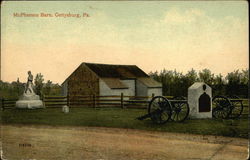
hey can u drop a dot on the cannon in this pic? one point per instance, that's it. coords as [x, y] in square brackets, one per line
[229, 107]
[161, 110]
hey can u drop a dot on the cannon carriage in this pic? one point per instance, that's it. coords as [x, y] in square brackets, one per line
[161, 110]
[229, 107]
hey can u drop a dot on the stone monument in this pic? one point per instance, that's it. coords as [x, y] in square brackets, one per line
[200, 100]
[29, 99]
[65, 109]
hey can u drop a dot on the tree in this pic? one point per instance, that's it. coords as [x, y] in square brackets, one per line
[233, 81]
[244, 78]
[206, 76]
[47, 87]
[39, 84]
[218, 87]
[176, 84]
[191, 76]
[237, 82]
[55, 89]
[233, 77]
[218, 80]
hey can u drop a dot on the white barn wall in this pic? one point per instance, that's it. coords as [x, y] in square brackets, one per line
[65, 88]
[155, 91]
[131, 86]
[141, 89]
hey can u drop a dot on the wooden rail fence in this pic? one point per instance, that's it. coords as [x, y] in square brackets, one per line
[8, 103]
[95, 101]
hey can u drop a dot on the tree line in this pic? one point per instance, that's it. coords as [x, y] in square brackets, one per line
[176, 83]
[173, 83]
[14, 89]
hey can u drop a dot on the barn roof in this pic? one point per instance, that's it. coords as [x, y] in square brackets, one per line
[149, 82]
[112, 74]
[116, 71]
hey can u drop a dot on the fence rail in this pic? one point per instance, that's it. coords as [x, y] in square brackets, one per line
[121, 101]
[8, 103]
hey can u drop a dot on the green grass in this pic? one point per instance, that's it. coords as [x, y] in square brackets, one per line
[123, 118]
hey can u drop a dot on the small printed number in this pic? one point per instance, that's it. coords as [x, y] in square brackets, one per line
[24, 145]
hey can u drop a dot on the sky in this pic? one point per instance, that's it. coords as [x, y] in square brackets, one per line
[153, 35]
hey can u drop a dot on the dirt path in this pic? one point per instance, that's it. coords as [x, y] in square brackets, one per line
[79, 143]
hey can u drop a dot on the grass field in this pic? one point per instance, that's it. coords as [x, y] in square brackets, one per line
[123, 118]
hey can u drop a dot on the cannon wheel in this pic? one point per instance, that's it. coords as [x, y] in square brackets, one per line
[237, 107]
[221, 107]
[180, 110]
[159, 110]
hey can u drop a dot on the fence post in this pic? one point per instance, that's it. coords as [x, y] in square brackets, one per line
[68, 100]
[3, 104]
[94, 101]
[42, 98]
[122, 105]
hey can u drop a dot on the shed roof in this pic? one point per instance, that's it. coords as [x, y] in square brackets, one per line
[114, 83]
[149, 82]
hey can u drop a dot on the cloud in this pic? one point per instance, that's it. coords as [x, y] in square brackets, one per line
[191, 37]
[176, 16]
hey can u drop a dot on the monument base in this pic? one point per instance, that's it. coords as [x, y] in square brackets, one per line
[205, 115]
[29, 104]
[29, 101]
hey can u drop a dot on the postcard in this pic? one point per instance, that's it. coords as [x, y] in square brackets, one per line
[129, 80]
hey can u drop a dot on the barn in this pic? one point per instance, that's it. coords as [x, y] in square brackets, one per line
[108, 79]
